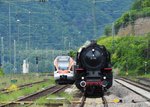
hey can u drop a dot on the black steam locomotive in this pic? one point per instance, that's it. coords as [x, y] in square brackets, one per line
[93, 70]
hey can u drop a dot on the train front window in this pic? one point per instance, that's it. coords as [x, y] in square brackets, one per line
[63, 68]
[63, 65]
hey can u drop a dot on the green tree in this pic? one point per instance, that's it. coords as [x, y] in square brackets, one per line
[137, 5]
[140, 4]
[129, 54]
[1, 72]
[72, 54]
[108, 31]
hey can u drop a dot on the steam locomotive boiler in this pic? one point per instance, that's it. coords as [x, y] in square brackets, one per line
[93, 72]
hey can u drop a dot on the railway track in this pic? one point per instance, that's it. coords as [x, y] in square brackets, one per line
[137, 84]
[32, 97]
[84, 103]
[105, 103]
[138, 88]
[144, 81]
[22, 86]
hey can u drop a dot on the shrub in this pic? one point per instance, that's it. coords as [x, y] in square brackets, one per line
[128, 52]
[1, 72]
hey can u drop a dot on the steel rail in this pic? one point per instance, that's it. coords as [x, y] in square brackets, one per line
[105, 103]
[34, 96]
[142, 86]
[82, 101]
[147, 99]
[4, 91]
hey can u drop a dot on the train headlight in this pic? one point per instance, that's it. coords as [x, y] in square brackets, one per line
[82, 78]
[104, 77]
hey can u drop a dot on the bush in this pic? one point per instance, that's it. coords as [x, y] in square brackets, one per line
[108, 30]
[1, 72]
[128, 52]
[140, 4]
[72, 54]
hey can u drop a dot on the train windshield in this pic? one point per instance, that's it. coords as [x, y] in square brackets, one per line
[63, 65]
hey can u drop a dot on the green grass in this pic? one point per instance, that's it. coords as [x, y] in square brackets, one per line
[17, 94]
[21, 79]
[145, 76]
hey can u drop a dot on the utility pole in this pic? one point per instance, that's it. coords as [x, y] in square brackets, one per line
[26, 52]
[94, 18]
[26, 46]
[29, 28]
[46, 59]
[18, 41]
[94, 15]
[14, 56]
[9, 37]
[113, 33]
[69, 45]
[29, 45]
[148, 50]
[65, 38]
[18, 29]
[2, 52]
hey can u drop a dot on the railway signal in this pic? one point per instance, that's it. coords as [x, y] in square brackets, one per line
[37, 60]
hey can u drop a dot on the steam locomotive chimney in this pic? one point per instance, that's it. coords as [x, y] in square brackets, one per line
[93, 42]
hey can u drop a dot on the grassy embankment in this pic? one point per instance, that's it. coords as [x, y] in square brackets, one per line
[131, 54]
[21, 79]
[26, 91]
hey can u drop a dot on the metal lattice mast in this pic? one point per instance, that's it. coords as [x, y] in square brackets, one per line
[2, 51]
[94, 18]
[113, 34]
[9, 35]
[14, 56]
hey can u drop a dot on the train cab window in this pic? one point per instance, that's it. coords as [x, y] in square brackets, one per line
[63, 68]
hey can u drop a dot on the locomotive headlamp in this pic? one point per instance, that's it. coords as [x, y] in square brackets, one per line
[82, 78]
[104, 77]
[93, 50]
